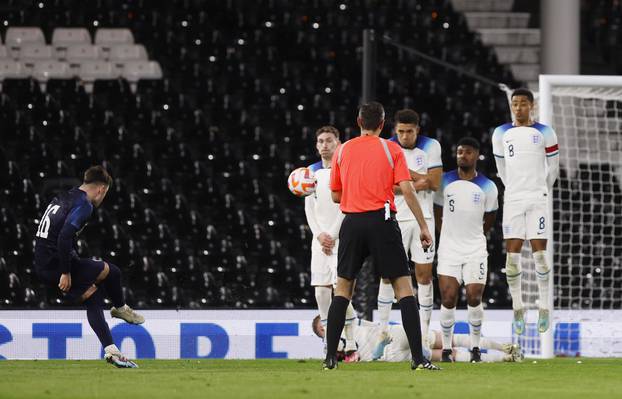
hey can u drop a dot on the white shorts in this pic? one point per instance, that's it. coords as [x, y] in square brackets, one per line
[525, 220]
[323, 267]
[410, 239]
[473, 271]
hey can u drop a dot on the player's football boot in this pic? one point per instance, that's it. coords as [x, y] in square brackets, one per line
[128, 314]
[384, 339]
[476, 355]
[425, 365]
[329, 363]
[517, 355]
[446, 356]
[117, 359]
[519, 321]
[352, 357]
[543, 320]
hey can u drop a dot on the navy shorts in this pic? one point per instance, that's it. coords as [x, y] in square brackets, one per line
[369, 234]
[84, 275]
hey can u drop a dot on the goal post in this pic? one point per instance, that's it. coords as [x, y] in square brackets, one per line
[585, 242]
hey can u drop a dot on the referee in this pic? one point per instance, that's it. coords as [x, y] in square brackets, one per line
[363, 174]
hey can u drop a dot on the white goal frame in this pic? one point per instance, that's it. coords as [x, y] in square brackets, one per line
[545, 111]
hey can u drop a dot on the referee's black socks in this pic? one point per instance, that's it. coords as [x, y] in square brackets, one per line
[412, 326]
[336, 320]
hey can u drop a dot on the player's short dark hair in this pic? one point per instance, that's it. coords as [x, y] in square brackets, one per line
[327, 129]
[371, 115]
[468, 141]
[97, 174]
[523, 92]
[408, 116]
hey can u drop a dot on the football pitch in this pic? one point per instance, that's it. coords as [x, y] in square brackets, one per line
[558, 378]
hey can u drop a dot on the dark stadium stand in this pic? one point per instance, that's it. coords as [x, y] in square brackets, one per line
[199, 215]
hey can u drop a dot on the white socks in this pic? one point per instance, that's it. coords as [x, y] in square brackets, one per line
[448, 319]
[425, 294]
[543, 272]
[112, 349]
[348, 329]
[513, 275]
[475, 314]
[323, 297]
[385, 303]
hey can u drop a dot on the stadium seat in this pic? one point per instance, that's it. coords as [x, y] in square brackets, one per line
[108, 37]
[127, 52]
[29, 53]
[12, 70]
[65, 37]
[17, 37]
[77, 53]
[46, 70]
[4, 53]
[90, 71]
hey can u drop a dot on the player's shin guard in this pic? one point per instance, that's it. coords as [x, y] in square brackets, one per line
[323, 296]
[425, 294]
[447, 325]
[349, 328]
[412, 327]
[513, 274]
[543, 272]
[385, 303]
[475, 314]
[336, 320]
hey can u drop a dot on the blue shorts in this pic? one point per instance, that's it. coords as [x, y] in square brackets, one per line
[84, 276]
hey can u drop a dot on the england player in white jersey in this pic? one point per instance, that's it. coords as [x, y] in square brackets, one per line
[527, 157]
[324, 219]
[423, 156]
[465, 209]
[395, 346]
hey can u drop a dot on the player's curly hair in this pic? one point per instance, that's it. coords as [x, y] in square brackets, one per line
[523, 92]
[408, 116]
[97, 174]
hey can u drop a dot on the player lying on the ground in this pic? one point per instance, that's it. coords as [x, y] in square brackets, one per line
[85, 281]
[394, 348]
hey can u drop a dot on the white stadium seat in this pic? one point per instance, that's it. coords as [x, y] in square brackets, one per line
[31, 52]
[45, 70]
[63, 37]
[4, 53]
[134, 71]
[93, 70]
[16, 37]
[77, 53]
[128, 52]
[12, 69]
[110, 36]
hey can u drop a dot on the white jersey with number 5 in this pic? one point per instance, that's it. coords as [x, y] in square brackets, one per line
[464, 204]
[527, 159]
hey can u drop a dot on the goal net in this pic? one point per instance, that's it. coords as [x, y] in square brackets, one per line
[585, 245]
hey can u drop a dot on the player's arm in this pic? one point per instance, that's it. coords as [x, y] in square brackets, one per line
[497, 151]
[489, 220]
[413, 204]
[431, 181]
[492, 205]
[336, 226]
[73, 223]
[335, 176]
[438, 216]
[310, 214]
[552, 156]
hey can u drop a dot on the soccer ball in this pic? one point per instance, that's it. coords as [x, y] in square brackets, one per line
[301, 182]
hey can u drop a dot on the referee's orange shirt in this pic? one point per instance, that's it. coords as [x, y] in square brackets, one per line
[364, 174]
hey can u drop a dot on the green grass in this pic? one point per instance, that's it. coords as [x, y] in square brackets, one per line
[559, 378]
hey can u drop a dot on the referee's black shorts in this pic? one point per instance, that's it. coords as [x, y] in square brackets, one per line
[368, 233]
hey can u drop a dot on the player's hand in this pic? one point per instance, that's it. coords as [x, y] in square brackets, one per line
[326, 240]
[426, 238]
[65, 282]
[421, 184]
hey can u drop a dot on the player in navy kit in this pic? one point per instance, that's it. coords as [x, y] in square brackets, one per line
[84, 281]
